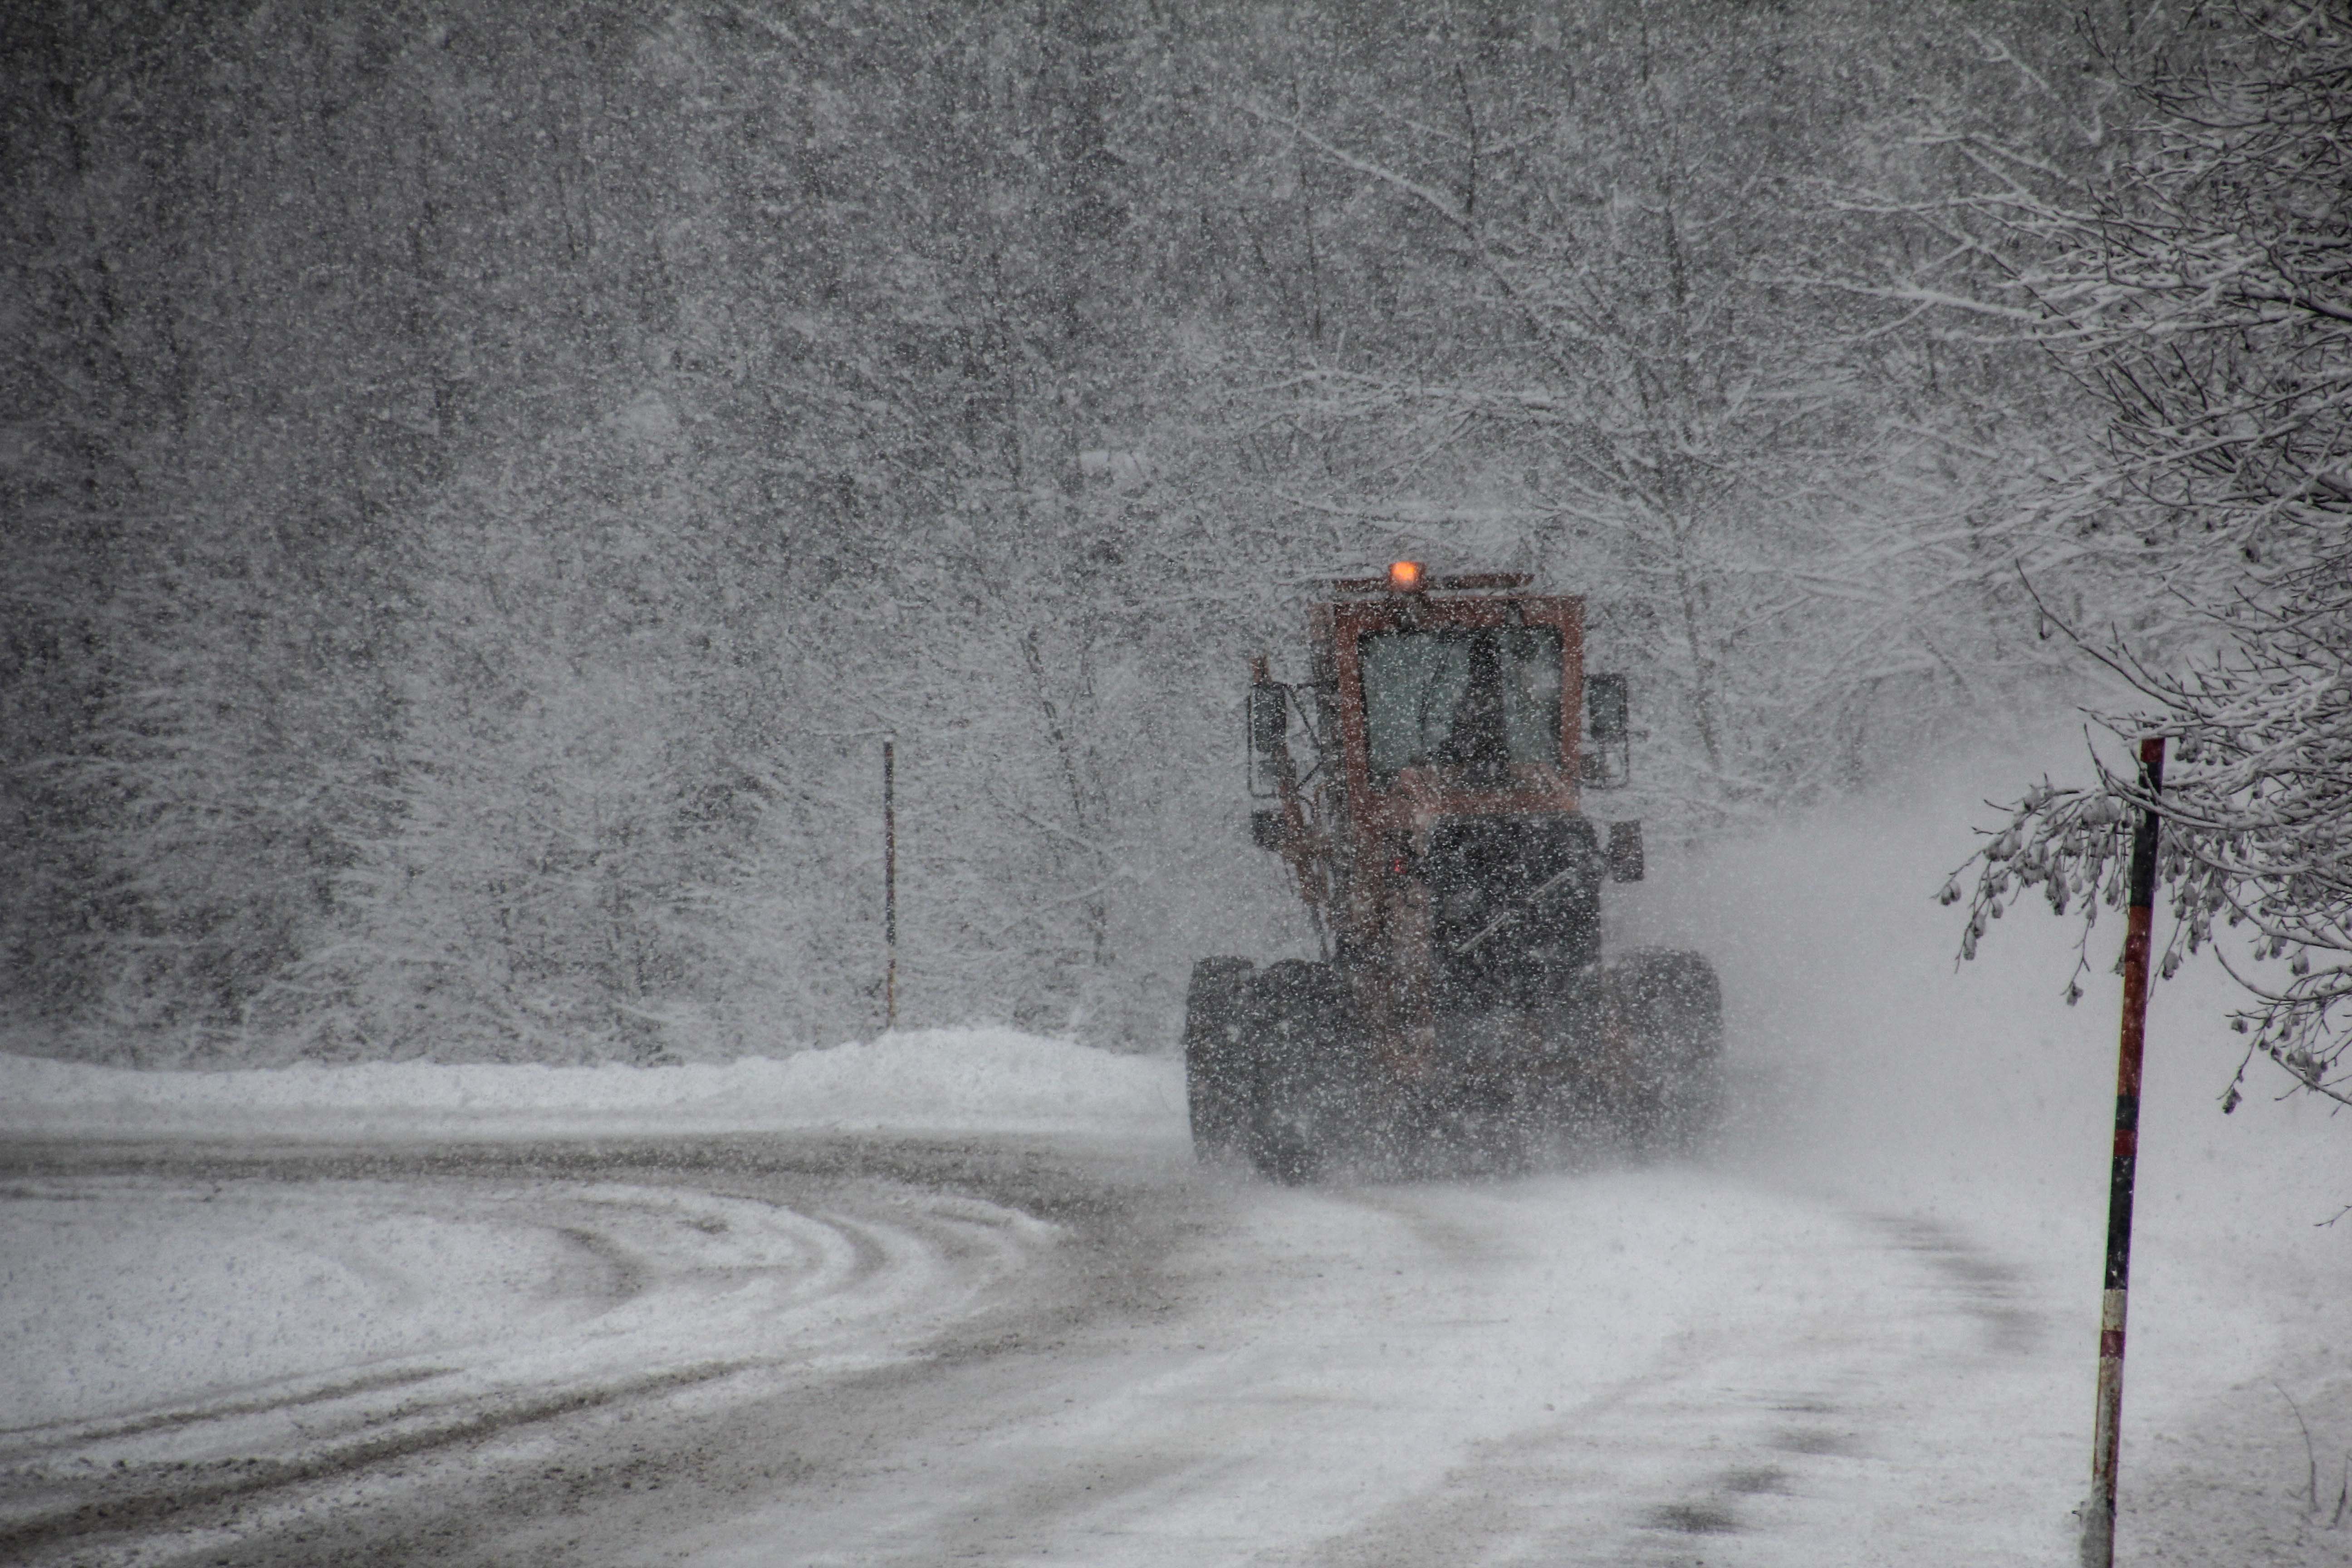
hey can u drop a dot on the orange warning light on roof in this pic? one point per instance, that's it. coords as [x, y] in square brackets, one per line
[1404, 577]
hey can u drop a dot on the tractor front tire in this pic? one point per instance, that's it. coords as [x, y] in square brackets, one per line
[1670, 1006]
[1218, 1087]
[1303, 1113]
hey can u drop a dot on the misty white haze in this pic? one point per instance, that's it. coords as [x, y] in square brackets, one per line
[479, 487]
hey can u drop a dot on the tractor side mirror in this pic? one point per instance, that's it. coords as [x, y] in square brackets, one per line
[1608, 712]
[1608, 715]
[1626, 851]
[1268, 715]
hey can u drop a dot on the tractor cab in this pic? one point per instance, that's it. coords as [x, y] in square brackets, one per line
[1432, 700]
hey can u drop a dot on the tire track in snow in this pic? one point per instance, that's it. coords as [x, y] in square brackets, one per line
[637, 1292]
[1413, 1374]
[1610, 1483]
[1992, 1292]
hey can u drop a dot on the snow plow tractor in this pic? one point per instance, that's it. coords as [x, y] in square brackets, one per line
[1423, 788]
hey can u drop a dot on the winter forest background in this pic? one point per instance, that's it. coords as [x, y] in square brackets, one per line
[482, 480]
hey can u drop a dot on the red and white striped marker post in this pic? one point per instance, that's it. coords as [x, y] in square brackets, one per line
[2099, 1513]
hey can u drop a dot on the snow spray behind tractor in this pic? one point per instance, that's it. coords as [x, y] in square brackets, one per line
[1423, 786]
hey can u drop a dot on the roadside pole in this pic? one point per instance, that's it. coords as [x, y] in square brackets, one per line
[890, 886]
[2099, 1513]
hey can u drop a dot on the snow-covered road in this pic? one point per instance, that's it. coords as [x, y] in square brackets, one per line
[825, 1351]
[1612, 1367]
[818, 1349]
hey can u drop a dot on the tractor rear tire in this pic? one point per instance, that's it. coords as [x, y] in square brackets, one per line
[1219, 1071]
[1672, 1005]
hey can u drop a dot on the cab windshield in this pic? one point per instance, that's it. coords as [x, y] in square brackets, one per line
[1478, 701]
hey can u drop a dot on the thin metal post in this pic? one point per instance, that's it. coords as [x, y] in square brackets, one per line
[2099, 1513]
[889, 885]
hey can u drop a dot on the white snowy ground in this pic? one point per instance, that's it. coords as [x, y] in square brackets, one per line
[1861, 1332]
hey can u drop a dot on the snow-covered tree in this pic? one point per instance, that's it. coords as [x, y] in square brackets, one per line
[2202, 297]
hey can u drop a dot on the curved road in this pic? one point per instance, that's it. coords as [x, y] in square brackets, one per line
[793, 1350]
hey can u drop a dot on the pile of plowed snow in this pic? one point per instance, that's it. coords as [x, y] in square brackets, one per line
[934, 1081]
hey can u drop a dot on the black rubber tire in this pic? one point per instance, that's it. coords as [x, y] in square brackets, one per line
[1672, 1005]
[1302, 1110]
[1218, 1071]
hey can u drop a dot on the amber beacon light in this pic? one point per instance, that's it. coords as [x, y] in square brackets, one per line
[1405, 576]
